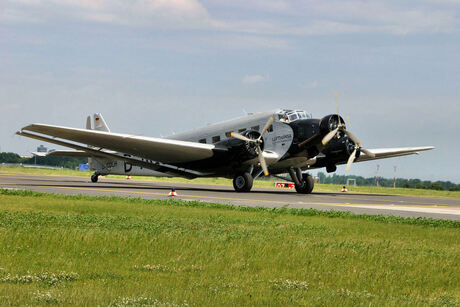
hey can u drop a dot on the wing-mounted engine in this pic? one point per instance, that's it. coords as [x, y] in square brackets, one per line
[309, 133]
[242, 150]
[329, 125]
[336, 152]
[341, 149]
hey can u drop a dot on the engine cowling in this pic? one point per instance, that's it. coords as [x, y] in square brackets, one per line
[341, 149]
[329, 123]
[242, 150]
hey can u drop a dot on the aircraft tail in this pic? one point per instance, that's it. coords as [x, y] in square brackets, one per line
[88, 123]
[99, 123]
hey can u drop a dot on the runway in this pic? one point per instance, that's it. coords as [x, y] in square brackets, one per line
[404, 206]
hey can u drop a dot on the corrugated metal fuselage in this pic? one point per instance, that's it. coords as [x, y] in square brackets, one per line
[277, 139]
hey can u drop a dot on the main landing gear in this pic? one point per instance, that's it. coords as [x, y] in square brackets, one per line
[242, 182]
[303, 182]
[94, 177]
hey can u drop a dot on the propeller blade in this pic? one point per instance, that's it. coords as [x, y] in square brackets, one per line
[267, 125]
[329, 136]
[241, 137]
[367, 152]
[337, 106]
[352, 137]
[351, 159]
[349, 122]
[263, 164]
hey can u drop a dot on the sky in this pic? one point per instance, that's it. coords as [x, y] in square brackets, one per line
[154, 67]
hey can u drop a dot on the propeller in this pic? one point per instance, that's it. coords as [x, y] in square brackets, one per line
[341, 127]
[257, 142]
[358, 144]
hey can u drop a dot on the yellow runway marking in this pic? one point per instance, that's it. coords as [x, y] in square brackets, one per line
[422, 204]
[224, 198]
[350, 197]
[240, 199]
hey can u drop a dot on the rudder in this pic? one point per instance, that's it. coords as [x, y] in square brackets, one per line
[99, 123]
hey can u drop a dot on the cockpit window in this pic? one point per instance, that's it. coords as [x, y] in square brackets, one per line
[293, 117]
[289, 116]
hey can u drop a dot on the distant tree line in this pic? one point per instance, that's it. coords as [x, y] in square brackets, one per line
[67, 162]
[388, 182]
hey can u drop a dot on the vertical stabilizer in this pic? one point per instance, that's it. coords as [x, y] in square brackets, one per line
[88, 123]
[99, 123]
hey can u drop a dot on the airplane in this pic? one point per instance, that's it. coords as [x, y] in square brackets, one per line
[243, 149]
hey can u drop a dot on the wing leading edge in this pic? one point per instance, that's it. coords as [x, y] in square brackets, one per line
[382, 153]
[156, 149]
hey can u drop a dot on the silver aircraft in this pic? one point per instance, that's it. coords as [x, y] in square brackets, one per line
[243, 149]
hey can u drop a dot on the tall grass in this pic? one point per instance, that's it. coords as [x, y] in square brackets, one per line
[81, 250]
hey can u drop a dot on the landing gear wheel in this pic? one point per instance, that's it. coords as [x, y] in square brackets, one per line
[306, 185]
[94, 177]
[242, 182]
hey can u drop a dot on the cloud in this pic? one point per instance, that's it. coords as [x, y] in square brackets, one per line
[129, 13]
[241, 42]
[251, 79]
[312, 84]
[292, 18]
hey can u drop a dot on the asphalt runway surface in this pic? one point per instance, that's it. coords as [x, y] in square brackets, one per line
[404, 206]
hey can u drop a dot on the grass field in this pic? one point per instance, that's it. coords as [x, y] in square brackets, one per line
[81, 250]
[257, 183]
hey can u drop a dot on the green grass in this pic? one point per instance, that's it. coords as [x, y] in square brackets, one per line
[83, 250]
[257, 183]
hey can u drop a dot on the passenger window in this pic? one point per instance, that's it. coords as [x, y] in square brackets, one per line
[202, 141]
[241, 130]
[256, 128]
[228, 134]
[216, 139]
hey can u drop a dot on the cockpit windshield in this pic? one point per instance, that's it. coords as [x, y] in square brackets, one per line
[288, 116]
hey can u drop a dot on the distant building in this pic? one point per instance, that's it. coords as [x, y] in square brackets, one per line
[42, 148]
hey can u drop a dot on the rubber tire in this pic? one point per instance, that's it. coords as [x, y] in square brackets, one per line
[306, 186]
[243, 182]
[94, 178]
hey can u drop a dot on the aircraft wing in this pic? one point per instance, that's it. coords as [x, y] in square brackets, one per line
[156, 149]
[378, 153]
[382, 153]
[69, 153]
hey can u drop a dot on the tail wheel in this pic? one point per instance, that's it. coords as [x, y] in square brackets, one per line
[242, 182]
[94, 177]
[306, 185]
